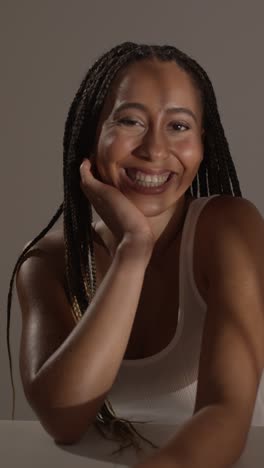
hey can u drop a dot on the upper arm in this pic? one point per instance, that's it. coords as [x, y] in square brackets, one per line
[46, 313]
[232, 351]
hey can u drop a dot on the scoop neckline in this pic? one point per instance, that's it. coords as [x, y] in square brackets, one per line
[158, 356]
[177, 333]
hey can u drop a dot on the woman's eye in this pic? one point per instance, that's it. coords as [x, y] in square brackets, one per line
[178, 124]
[132, 123]
[129, 122]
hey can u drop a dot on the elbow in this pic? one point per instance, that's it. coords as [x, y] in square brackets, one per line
[65, 425]
[64, 420]
[65, 428]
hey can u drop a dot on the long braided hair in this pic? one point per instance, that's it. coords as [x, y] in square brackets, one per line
[216, 175]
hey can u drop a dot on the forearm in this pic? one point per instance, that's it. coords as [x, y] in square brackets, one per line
[84, 367]
[210, 439]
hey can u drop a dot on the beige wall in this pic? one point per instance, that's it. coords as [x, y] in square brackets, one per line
[48, 47]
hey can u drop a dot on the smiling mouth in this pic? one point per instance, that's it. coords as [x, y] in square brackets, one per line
[149, 187]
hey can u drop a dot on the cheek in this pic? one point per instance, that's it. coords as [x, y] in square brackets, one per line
[105, 142]
[111, 150]
[112, 146]
[190, 148]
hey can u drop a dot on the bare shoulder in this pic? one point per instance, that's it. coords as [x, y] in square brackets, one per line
[50, 248]
[230, 223]
[227, 210]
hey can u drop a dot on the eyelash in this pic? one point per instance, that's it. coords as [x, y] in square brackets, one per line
[122, 121]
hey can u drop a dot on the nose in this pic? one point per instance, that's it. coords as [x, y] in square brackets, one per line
[153, 145]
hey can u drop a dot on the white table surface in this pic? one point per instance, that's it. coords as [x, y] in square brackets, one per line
[26, 444]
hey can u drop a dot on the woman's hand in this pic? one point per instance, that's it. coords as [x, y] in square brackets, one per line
[117, 211]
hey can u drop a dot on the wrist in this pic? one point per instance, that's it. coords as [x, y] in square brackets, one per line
[135, 249]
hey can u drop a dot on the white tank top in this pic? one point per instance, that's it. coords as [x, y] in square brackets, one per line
[162, 388]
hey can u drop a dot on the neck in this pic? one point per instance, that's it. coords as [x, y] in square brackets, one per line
[170, 235]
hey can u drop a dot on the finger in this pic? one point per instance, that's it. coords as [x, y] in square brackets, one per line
[85, 170]
[86, 165]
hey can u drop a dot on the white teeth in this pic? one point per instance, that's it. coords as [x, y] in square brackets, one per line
[149, 178]
[148, 184]
[156, 179]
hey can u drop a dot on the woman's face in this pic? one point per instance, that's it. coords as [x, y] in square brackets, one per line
[142, 126]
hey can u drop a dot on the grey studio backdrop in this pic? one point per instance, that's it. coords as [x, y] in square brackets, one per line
[47, 47]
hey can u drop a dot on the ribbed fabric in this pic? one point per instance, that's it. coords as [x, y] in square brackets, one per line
[162, 388]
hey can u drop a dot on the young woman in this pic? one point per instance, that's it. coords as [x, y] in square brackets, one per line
[158, 307]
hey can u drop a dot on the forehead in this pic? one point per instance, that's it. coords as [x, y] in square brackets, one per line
[153, 82]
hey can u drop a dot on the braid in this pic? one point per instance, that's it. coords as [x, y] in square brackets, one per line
[216, 174]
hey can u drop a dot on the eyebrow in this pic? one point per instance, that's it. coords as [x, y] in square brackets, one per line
[169, 110]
